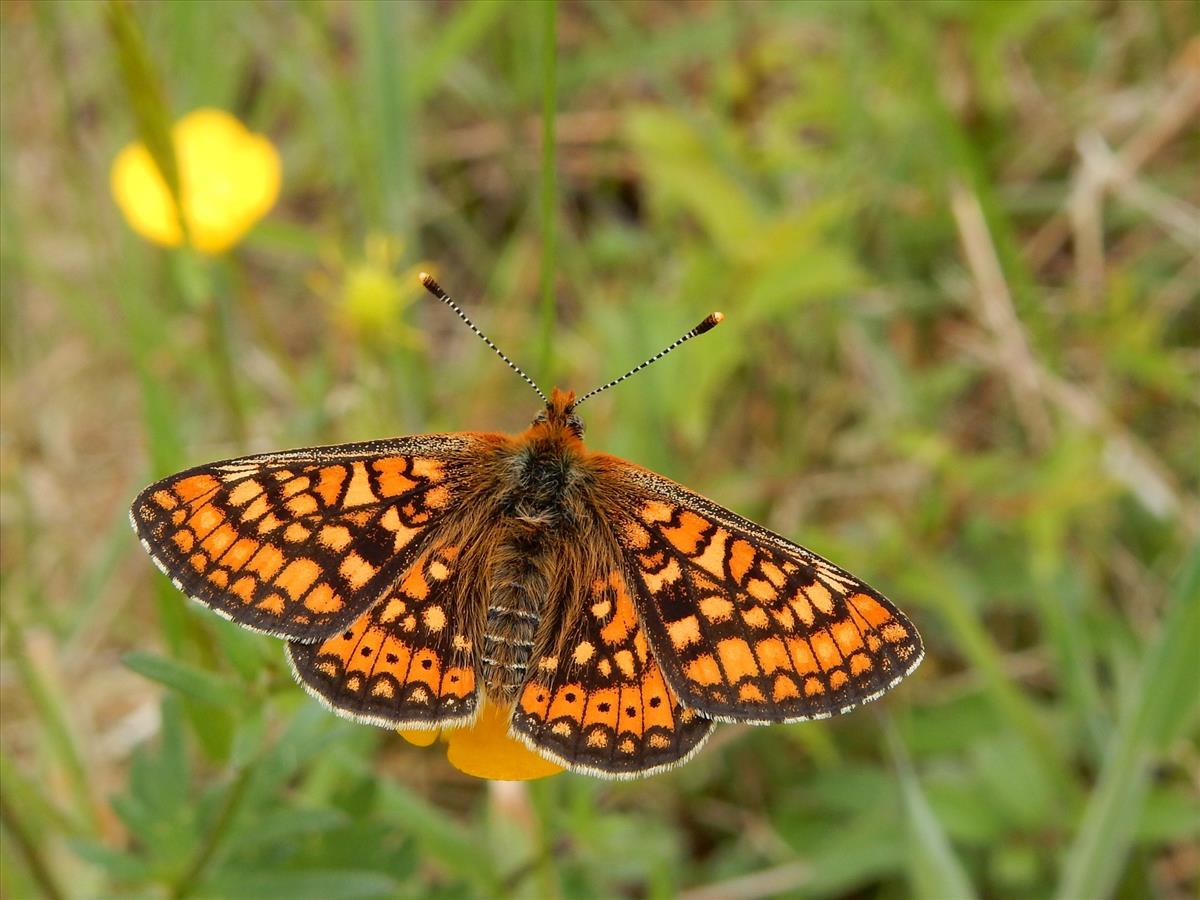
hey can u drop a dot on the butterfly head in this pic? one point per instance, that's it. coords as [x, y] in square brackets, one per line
[560, 414]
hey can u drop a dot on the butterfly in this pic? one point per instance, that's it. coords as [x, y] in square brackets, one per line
[618, 614]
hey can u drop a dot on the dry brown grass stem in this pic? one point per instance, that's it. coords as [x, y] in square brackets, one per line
[1080, 220]
[999, 316]
[765, 883]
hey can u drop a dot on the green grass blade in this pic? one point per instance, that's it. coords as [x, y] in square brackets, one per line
[1164, 701]
[934, 869]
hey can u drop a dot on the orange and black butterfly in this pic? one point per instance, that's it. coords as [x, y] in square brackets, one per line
[617, 613]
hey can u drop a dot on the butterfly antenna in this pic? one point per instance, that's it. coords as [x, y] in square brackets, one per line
[436, 289]
[711, 321]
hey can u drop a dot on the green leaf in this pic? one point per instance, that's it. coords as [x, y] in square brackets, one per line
[934, 869]
[1164, 700]
[188, 680]
[311, 884]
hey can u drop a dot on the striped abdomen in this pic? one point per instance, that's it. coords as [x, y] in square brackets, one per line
[514, 612]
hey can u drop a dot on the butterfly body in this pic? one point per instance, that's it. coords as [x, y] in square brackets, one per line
[617, 613]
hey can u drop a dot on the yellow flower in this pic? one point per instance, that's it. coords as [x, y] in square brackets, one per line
[368, 296]
[485, 750]
[228, 180]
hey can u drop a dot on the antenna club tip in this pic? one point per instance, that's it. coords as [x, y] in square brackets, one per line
[426, 279]
[712, 320]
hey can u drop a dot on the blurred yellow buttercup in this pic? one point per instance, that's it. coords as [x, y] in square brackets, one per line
[229, 179]
[485, 750]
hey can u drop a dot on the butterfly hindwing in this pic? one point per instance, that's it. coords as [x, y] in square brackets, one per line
[748, 626]
[300, 544]
[599, 702]
[408, 662]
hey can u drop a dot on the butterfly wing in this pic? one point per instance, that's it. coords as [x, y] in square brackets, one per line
[748, 626]
[409, 661]
[597, 701]
[300, 544]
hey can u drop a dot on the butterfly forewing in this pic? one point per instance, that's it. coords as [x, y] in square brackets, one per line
[300, 544]
[748, 626]
[599, 701]
[409, 661]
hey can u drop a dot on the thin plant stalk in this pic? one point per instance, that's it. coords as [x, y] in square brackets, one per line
[549, 10]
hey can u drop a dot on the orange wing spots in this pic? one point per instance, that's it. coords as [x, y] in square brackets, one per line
[838, 679]
[198, 561]
[296, 485]
[302, 505]
[322, 600]
[429, 469]
[741, 558]
[329, 484]
[266, 562]
[298, 577]
[894, 632]
[772, 655]
[219, 540]
[415, 585]
[869, 609]
[737, 659]
[624, 619]
[392, 474]
[656, 511]
[686, 537]
[860, 663]
[296, 533]
[358, 492]
[773, 573]
[165, 499]
[567, 703]
[205, 519]
[269, 523]
[188, 489]
[803, 609]
[334, 537]
[393, 609]
[438, 570]
[635, 535]
[624, 661]
[583, 652]
[245, 492]
[237, 555]
[356, 571]
[434, 618]
[703, 670]
[437, 498]
[272, 603]
[802, 656]
[712, 560]
[813, 686]
[826, 649]
[761, 590]
[684, 632]
[847, 637]
[718, 609]
[820, 597]
[219, 577]
[244, 588]
[756, 617]
[749, 693]
[784, 689]
[257, 509]
[184, 540]
[669, 574]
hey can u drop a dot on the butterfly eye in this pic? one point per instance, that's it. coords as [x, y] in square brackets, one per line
[540, 419]
[575, 424]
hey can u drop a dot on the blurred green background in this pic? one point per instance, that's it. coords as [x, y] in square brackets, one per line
[958, 248]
